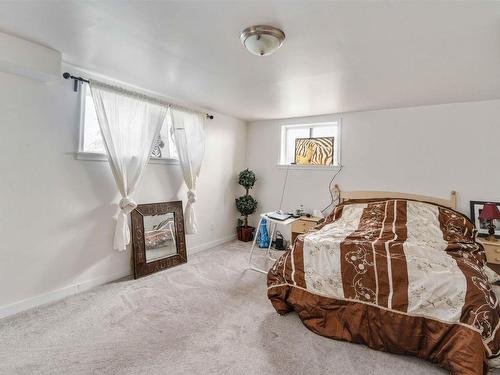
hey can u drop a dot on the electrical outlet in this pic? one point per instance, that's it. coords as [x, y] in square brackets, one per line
[212, 227]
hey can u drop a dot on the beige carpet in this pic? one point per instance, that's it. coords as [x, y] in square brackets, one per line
[209, 316]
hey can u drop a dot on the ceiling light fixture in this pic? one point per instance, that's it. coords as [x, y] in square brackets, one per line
[262, 40]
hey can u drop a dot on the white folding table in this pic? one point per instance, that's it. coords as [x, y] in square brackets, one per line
[273, 223]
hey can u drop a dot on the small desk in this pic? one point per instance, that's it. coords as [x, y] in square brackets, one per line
[272, 226]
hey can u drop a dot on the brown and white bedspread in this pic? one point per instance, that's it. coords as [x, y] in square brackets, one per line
[397, 275]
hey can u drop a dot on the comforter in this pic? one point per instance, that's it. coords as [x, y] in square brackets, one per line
[397, 275]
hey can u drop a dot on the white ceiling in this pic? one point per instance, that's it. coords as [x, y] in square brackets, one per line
[338, 56]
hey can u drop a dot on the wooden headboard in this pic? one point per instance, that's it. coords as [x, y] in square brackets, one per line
[346, 195]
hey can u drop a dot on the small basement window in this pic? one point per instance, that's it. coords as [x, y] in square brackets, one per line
[311, 144]
[91, 143]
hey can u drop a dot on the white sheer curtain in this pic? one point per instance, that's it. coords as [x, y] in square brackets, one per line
[189, 139]
[130, 124]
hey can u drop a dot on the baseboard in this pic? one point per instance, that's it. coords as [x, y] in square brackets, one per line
[70, 290]
[58, 294]
[209, 245]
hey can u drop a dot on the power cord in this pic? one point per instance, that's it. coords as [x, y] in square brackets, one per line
[284, 187]
[331, 191]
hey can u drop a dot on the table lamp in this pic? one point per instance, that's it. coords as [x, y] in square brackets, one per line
[490, 213]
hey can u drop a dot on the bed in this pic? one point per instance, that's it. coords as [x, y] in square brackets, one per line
[399, 273]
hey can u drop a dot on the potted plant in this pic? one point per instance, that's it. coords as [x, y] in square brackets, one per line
[246, 205]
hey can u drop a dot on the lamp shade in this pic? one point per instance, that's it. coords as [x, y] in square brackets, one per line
[489, 212]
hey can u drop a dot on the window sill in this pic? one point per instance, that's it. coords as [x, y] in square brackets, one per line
[309, 167]
[93, 156]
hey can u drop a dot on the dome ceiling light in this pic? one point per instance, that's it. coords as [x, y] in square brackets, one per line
[262, 40]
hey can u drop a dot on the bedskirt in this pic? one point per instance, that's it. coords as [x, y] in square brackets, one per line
[452, 347]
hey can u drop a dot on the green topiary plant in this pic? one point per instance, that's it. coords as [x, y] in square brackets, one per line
[246, 204]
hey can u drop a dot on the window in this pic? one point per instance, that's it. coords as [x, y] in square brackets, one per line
[92, 143]
[311, 144]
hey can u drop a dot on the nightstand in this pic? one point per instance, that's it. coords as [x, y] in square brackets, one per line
[304, 224]
[492, 249]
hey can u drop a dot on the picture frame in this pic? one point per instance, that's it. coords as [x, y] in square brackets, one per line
[475, 210]
[314, 151]
[158, 237]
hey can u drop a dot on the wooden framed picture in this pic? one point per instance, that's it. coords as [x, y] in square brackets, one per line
[482, 226]
[158, 238]
[314, 151]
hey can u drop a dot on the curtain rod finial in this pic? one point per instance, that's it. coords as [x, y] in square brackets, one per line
[66, 75]
[211, 117]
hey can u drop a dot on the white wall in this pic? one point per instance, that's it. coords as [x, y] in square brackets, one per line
[425, 150]
[56, 222]
[56, 225]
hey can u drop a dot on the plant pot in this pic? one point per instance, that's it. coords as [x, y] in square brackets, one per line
[245, 234]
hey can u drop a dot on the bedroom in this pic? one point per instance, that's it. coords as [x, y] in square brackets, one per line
[406, 93]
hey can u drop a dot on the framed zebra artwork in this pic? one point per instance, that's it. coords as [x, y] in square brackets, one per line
[314, 151]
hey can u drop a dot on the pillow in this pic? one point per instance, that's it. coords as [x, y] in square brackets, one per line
[493, 277]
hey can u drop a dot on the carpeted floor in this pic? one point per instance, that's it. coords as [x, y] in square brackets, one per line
[209, 316]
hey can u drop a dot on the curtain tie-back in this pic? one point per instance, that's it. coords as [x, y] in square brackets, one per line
[189, 216]
[191, 194]
[127, 205]
[122, 232]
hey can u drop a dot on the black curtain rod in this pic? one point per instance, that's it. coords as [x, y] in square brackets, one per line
[66, 75]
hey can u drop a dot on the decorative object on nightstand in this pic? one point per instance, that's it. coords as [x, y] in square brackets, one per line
[318, 213]
[490, 213]
[492, 249]
[481, 222]
[298, 212]
[303, 225]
